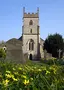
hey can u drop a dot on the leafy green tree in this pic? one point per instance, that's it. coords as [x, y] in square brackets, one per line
[53, 43]
[2, 53]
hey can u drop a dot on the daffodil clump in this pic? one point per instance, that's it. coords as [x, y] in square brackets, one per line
[31, 76]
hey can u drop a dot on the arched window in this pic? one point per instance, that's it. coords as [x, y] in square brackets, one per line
[31, 22]
[31, 45]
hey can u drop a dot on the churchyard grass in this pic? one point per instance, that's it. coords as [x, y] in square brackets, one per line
[31, 76]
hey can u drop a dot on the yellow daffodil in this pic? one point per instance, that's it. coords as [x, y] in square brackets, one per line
[16, 73]
[24, 73]
[39, 70]
[20, 68]
[15, 79]
[54, 69]
[31, 78]
[8, 75]
[12, 76]
[5, 82]
[24, 76]
[47, 72]
[26, 82]
[7, 71]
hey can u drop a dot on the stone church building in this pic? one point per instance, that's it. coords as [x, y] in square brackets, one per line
[32, 43]
[29, 45]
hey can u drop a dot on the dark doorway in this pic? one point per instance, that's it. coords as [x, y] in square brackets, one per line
[30, 57]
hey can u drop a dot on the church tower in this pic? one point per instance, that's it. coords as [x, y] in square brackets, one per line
[31, 34]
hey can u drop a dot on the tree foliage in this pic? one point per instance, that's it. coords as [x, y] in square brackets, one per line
[53, 43]
[2, 53]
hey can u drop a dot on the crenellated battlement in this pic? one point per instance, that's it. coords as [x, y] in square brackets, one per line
[30, 15]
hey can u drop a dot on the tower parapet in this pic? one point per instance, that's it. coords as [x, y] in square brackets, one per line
[30, 15]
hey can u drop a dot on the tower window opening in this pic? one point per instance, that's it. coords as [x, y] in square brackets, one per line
[31, 22]
[31, 31]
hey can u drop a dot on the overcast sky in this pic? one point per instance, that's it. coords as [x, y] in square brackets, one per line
[11, 12]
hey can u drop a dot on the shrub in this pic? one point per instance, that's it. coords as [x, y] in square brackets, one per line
[53, 61]
[2, 53]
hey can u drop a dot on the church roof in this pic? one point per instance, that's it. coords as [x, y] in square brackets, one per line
[42, 39]
[14, 41]
[20, 38]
